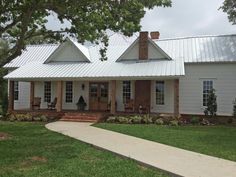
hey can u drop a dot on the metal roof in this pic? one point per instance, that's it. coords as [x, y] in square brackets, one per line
[199, 49]
[32, 53]
[99, 69]
[181, 50]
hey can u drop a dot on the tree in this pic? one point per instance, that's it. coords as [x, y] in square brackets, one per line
[22, 20]
[234, 108]
[211, 108]
[229, 7]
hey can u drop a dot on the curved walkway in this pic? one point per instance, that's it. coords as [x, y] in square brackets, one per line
[174, 160]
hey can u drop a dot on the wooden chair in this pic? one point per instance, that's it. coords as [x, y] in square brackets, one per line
[52, 105]
[36, 102]
[129, 106]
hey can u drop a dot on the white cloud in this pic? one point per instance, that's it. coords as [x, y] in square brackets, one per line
[188, 18]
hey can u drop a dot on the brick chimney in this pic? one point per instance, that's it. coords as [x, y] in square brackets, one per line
[143, 45]
[155, 35]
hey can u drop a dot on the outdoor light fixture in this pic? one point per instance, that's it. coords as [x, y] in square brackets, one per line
[83, 86]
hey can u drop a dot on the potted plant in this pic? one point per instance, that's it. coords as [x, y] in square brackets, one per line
[81, 104]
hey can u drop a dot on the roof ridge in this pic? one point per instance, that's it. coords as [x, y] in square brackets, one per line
[197, 36]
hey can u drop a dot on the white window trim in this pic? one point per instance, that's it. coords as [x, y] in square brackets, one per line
[202, 81]
[72, 93]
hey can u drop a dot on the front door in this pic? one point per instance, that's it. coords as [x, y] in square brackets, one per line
[98, 96]
[142, 94]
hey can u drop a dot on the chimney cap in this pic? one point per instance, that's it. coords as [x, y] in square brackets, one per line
[155, 35]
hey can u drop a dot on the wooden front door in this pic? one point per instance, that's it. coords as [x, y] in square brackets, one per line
[98, 96]
[142, 94]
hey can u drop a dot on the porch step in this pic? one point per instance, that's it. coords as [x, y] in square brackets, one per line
[82, 117]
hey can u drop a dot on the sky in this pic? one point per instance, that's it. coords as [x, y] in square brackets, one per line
[184, 18]
[188, 18]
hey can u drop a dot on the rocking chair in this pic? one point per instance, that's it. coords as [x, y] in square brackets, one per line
[52, 105]
[129, 106]
[36, 102]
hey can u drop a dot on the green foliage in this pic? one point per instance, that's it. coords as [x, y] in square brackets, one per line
[111, 119]
[147, 119]
[136, 119]
[234, 108]
[122, 120]
[4, 104]
[174, 123]
[229, 7]
[195, 120]
[211, 108]
[22, 21]
[159, 121]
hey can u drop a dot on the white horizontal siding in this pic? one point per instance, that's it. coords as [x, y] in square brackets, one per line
[191, 86]
[24, 96]
[168, 106]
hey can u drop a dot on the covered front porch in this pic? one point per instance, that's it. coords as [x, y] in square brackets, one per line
[110, 96]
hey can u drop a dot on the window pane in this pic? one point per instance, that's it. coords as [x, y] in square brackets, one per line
[69, 92]
[16, 90]
[47, 92]
[207, 86]
[126, 91]
[160, 92]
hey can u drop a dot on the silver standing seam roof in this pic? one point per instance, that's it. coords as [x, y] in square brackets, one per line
[202, 49]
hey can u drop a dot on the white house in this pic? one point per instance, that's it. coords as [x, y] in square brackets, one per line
[160, 75]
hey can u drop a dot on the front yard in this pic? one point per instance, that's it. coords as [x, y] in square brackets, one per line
[219, 141]
[29, 149]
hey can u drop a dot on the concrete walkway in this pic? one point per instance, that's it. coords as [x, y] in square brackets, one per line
[174, 160]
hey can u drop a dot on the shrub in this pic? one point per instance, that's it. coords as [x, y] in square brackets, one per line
[234, 108]
[136, 119]
[147, 119]
[111, 119]
[195, 120]
[159, 121]
[43, 118]
[37, 118]
[211, 108]
[174, 123]
[205, 122]
[122, 120]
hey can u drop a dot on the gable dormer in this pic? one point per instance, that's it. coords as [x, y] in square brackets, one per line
[69, 51]
[144, 49]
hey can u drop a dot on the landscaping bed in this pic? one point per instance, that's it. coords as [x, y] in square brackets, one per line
[32, 150]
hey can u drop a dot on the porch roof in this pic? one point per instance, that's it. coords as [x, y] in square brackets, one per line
[98, 70]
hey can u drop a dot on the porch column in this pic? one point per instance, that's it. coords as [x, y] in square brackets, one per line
[113, 97]
[11, 96]
[31, 95]
[176, 97]
[59, 96]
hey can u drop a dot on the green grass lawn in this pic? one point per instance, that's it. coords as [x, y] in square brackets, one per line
[32, 150]
[219, 141]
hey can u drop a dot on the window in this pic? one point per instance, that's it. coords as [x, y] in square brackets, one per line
[126, 91]
[47, 92]
[16, 90]
[207, 86]
[160, 92]
[69, 92]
